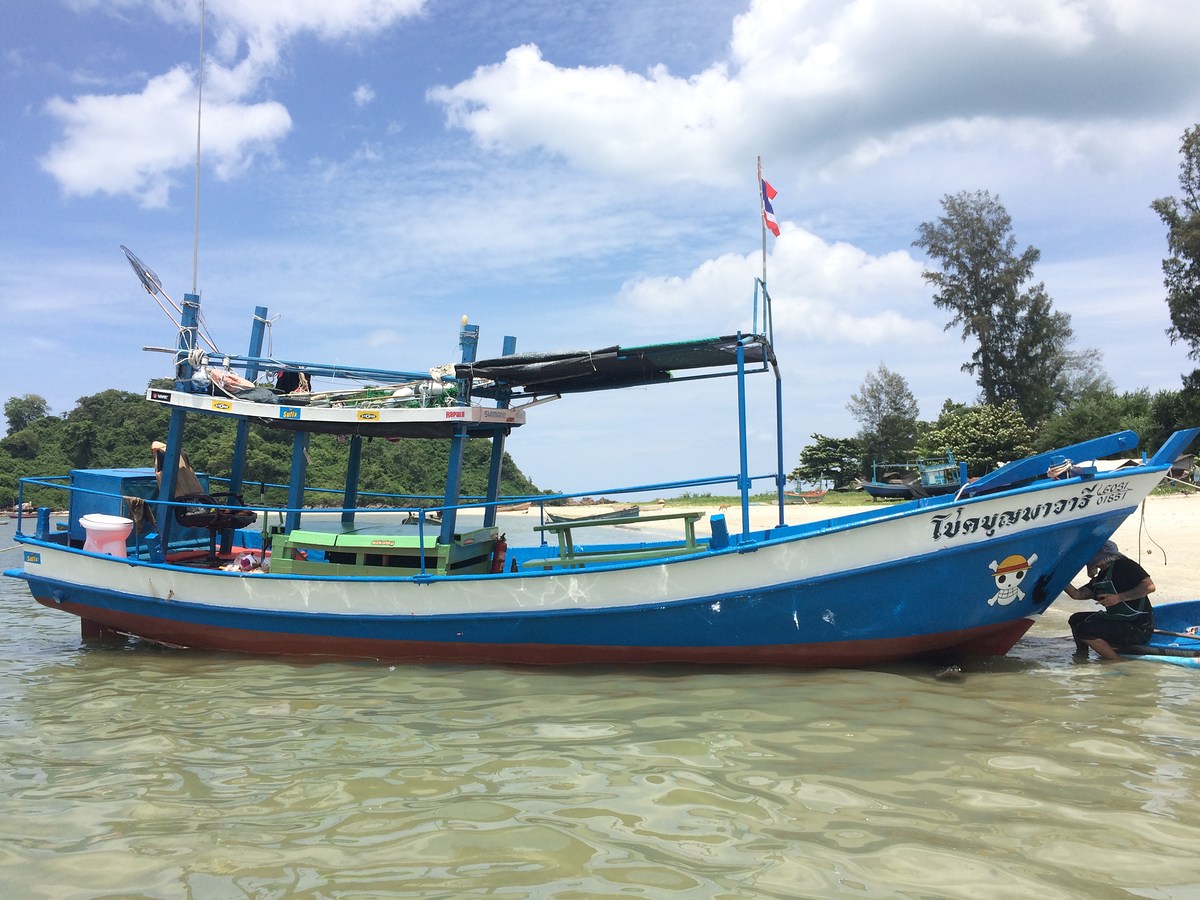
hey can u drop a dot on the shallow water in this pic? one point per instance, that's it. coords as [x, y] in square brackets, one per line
[133, 771]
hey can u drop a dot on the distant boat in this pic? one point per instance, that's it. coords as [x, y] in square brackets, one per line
[804, 497]
[581, 513]
[929, 477]
[514, 507]
[939, 476]
[879, 490]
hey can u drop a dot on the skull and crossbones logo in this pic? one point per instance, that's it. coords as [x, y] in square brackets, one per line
[1009, 573]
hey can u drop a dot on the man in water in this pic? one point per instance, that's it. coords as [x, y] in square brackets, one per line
[1122, 587]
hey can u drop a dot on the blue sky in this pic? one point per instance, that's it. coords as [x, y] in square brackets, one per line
[578, 175]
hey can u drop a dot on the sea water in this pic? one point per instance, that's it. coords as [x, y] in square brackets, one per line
[129, 770]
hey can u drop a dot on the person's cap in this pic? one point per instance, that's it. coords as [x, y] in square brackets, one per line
[1106, 552]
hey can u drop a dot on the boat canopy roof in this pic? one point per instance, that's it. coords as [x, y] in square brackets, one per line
[574, 371]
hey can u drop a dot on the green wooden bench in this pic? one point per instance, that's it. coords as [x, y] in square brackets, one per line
[569, 557]
[383, 550]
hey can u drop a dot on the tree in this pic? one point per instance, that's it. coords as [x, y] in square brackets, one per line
[24, 444]
[1039, 356]
[22, 412]
[1096, 414]
[1181, 271]
[1170, 411]
[1022, 341]
[78, 443]
[887, 411]
[1153, 416]
[1082, 374]
[981, 436]
[829, 459]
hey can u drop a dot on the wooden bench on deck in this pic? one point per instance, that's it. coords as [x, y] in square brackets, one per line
[568, 557]
[383, 550]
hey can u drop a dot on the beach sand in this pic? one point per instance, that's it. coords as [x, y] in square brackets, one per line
[1163, 536]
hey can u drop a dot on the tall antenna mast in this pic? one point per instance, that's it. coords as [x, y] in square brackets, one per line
[199, 102]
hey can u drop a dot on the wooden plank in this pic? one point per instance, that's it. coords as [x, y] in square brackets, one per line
[579, 560]
[622, 520]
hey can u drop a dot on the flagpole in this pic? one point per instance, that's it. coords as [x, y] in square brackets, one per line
[762, 221]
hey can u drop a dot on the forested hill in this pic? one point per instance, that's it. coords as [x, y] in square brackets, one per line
[115, 429]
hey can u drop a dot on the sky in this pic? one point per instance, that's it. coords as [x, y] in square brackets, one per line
[579, 175]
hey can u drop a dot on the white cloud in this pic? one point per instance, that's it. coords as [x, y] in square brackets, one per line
[847, 84]
[265, 28]
[363, 95]
[822, 292]
[138, 144]
[604, 119]
[135, 143]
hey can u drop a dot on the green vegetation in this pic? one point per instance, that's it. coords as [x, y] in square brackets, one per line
[983, 436]
[114, 429]
[1022, 342]
[887, 411]
[834, 461]
[1181, 270]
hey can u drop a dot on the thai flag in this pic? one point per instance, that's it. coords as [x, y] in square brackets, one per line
[768, 211]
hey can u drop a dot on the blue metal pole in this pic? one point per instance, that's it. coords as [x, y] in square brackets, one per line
[189, 319]
[296, 484]
[258, 330]
[468, 341]
[353, 464]
[458, 444]
[164, 516]
[781, 477]
[497, 460]
[744, 472]
[242, 440]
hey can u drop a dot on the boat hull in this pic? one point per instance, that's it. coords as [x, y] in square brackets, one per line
[1171, 642]
[886, 491]
[584, 513]
[204, 634]
[868, 588]
[881, 491]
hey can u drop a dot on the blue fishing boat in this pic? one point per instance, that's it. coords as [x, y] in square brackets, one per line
[1175, 640]
[167, 555]
[925, 478]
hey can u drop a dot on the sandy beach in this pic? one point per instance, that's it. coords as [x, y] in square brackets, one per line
[1164, 536]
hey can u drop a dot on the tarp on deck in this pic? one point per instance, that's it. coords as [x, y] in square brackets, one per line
[610, 367]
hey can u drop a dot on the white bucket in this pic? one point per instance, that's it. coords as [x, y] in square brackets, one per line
[106, 534]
